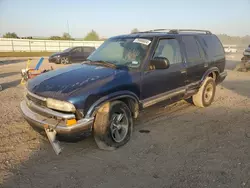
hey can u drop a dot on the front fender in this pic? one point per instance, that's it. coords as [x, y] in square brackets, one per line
[113, 96]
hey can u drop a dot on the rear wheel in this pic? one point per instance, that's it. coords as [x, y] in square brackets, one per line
[206, 93]
[113, 125]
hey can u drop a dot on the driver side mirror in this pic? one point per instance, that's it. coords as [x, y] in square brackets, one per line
[159, 63]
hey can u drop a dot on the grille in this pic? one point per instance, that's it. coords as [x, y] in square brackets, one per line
[36, 100]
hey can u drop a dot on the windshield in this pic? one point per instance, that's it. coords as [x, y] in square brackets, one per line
[129, 52]
[67, 50]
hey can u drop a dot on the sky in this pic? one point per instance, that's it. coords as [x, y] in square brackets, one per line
[114, 17]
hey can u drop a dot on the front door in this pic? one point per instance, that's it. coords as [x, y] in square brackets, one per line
[86, 51]
[156, 82]
[76, 54]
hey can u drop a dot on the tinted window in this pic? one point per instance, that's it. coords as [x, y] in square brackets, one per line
[77, 50]
[212, 45]
[170, 49]
[192, 49]
[88, 49]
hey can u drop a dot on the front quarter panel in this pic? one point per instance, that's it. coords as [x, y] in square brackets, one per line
[121, 84]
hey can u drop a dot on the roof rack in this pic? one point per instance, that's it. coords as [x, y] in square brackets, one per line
[189, 30]
[177, 31]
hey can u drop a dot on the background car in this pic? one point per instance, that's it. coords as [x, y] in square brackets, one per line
[229, 49]
[74, 54]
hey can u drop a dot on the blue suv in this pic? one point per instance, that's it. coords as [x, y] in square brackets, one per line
[126, 74]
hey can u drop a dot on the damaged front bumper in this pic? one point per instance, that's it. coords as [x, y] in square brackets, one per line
[53, 120]
[54, 123]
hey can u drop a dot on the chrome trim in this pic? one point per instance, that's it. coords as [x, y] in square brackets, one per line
[48, 111]
[60, 127]
[162, 97]
[36, 96]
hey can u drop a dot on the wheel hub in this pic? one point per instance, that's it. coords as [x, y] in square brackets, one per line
[119, 127]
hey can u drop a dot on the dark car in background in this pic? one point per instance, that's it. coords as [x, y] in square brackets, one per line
[73, 54]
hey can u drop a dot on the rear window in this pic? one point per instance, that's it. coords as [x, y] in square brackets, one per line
[212, 46]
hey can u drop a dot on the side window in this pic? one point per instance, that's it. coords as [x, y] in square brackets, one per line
[192, 49]
[212, 45]
[170, 49]
[77, 50]
[201, 50]
[88, 49]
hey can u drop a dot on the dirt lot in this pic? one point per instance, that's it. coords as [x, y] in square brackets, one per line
[186, 146]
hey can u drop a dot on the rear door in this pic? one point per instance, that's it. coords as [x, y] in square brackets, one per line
[196, 60]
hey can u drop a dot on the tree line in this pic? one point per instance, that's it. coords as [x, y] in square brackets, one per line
[93, 36]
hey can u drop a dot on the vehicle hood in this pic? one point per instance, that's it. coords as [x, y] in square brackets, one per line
[65, 82]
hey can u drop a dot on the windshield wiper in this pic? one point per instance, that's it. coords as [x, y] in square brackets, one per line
[101, 63]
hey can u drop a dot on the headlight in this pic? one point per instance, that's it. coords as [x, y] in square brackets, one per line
[60, 105]
[58, 56]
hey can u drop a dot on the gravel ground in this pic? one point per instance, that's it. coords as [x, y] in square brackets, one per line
[184, 146]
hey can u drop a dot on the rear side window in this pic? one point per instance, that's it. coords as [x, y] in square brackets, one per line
[193, 50]
[88, 49]
[212, 46]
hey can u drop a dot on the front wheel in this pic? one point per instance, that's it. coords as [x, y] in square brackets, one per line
[64, 60]
[206, 93]
[113, 125]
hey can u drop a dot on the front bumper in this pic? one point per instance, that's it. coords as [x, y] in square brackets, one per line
[56, 121]
[54, 59]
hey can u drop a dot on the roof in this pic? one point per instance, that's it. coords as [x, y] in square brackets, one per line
[162, 33]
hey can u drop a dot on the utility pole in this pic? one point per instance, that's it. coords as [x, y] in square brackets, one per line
[68, 26]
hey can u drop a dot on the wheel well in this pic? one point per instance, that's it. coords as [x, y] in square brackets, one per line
[132, 104]
[213, 75]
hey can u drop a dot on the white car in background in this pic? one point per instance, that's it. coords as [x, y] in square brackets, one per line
[229, 49]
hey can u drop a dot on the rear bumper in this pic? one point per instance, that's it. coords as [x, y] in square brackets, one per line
[222, 77]
[39, 121]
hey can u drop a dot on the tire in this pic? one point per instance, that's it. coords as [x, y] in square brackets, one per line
[64, 60]
[206, 93]
[113, 119]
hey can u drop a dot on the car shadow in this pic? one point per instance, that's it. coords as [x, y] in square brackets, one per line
[241, 87]
[8, 85]
[2, 75]
[12, 61]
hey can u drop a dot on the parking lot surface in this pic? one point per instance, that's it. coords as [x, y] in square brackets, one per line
[173, 146]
